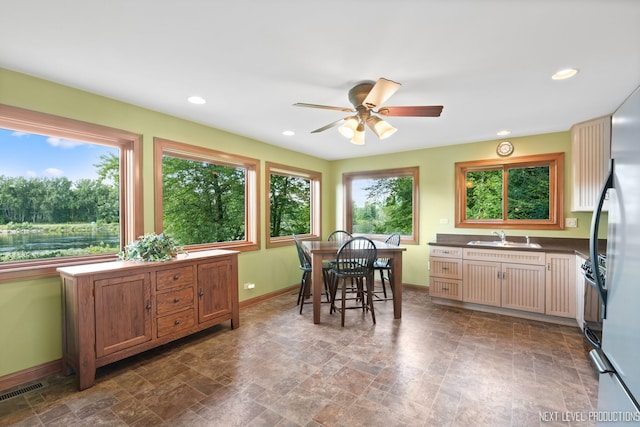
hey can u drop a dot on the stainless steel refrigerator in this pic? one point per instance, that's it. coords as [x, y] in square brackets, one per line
[618, 358]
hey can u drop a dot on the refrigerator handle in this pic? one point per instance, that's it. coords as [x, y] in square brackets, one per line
[602, 364]
[593, 239]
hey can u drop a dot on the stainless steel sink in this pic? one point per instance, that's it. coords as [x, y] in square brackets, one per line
[506, 244]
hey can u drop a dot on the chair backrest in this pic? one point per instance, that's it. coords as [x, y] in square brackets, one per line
[303, 256]
[339, 236]
[356, 257]
[393, 239]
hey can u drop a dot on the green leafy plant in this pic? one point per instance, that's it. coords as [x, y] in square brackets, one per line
[151, 247]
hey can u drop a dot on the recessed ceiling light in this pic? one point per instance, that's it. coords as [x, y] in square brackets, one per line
[567, 73]
[504, 132]
[288, 133]
[196, 100]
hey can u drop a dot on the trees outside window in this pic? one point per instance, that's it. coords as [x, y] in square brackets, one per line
[293, 203]
[206, 198]
[378, 203]
[521, 192]
[68, 190]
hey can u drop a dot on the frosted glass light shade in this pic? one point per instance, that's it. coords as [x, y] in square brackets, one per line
[358, 138]
[380, 127]
[348, 129]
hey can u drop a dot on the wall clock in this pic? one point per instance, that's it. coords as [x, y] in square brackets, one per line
[505, 148]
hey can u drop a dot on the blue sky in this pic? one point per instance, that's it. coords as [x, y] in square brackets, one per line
[32, 155]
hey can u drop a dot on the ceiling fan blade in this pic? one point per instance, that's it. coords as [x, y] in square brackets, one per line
[380, 92]
[329, 126]
[414, 111]
[324, 107]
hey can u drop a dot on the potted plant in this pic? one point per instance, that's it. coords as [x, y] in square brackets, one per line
[151, 247]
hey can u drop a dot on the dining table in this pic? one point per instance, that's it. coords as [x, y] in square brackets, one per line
[320, 250]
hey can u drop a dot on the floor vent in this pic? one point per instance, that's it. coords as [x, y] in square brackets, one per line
[20, 391]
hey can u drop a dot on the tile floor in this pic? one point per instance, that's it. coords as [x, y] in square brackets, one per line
[435, 367]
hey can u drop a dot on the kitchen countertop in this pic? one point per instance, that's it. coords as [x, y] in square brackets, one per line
[549, 244]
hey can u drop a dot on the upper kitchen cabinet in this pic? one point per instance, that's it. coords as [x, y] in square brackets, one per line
[591, 150]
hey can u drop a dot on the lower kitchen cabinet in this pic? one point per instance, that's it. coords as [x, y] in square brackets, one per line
[503, 278]
[532, 284]
[445, 278]
[114, 310]
[482, 282]
[561, 285]
[523, 287]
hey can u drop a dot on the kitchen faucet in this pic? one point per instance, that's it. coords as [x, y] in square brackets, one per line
[501, 234]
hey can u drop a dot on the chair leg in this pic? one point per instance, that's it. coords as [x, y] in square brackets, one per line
[334, 290]
[302, 285]
[384, 288]
[344, 299]
[304, 289]
[370, 297]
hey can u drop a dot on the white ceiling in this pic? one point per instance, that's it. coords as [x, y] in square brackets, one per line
[489, 62]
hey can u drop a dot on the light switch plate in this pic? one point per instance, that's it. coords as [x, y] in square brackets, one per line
[571, 222]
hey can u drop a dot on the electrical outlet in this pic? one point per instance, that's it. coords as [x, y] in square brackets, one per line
[444, 221]
[249, 285]
[571, 222]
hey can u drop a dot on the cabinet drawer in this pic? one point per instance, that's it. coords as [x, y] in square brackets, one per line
[445, 252]
[177, 322]
[450, 268]
[499, 255]
[174, 277]
[445, 288]
[174, 300]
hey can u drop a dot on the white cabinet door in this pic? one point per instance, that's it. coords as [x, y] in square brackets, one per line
[590, 151]
[523, 287]
[561, 282]
[481, 283]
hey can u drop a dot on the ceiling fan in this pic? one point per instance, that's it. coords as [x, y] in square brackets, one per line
[366, 96]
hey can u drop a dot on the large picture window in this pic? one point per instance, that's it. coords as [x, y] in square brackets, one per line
[521, 192]
[206, 198]
[293, 203]
[69, 192]
[378, 203]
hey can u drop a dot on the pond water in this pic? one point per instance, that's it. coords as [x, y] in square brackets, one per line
[32, 242]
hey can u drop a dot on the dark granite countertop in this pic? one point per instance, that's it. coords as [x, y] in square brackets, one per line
[548, 244]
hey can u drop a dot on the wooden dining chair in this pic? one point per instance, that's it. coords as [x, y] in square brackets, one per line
[305, 281]
[354, 264]
[340, 236]
[383, 265]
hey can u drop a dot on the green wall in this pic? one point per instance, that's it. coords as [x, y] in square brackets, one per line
[437, 190]
[32, 308]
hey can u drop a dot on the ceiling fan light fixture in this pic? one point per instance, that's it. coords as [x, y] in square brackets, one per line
[348, 129]
[358, 137]
[380, 127]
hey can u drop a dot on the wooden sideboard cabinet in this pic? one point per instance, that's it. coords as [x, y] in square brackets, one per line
[113, 310]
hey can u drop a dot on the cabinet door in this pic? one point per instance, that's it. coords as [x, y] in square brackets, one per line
[523, 287]
[590, 148]
[123, 312]
[481, 282]
[560, 283]
[214, 290]
[580, 287]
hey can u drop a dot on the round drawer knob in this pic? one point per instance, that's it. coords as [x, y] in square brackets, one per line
[176, 277]
[177, 322]
[176, 300]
